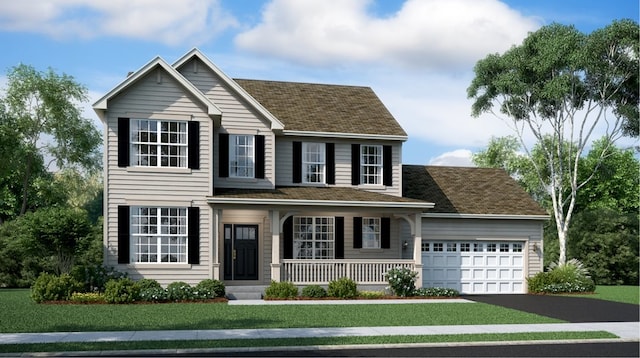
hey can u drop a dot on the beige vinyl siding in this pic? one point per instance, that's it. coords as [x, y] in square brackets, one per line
[238, 118]
[157, 96]
[485, 229]
[284, 162]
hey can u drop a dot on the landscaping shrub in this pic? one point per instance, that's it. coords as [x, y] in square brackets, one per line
[371, 295]
[568, 278]
[180, 291]
[343, 288]
[154, 294]
[281, 290]
[147, 283]
[402, 281]
[49, 287]
[95, 277]
[122, 290]
[314, 291]
[436, 292]
[208, 289]
[87, 297]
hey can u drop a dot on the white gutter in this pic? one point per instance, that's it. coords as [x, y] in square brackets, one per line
[484, 216]
[316, 203]
[343, 135]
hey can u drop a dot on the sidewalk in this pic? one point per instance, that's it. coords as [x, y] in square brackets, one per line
[629, 331]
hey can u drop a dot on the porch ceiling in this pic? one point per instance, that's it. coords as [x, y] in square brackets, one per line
[316, 196]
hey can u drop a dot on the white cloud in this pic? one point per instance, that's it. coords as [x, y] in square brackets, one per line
[423, 33]
[166, 21]
[456, 158]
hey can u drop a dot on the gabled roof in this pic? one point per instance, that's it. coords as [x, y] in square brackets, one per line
[468, 191]
[316, 196]
[195, 53]
[306, 108]
[102, 104]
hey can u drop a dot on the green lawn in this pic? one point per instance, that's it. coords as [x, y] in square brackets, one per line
[19, 314]
[625, 294]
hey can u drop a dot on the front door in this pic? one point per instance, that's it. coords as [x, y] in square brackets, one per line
[240, 252]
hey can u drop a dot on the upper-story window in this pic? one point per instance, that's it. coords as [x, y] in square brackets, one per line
[313, 162]
[241, 156]
[157, 143]
[371, 162]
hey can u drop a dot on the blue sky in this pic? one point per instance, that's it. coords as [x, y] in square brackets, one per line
[417, 55]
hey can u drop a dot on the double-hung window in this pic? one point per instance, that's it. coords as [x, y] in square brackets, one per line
[159, 235]
[241, 156]
[313, 162]
[156, 143]
[371, 163]
[370, 233]
[313, 237]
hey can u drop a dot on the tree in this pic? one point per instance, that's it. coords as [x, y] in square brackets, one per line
[41, 110]
[563, 86]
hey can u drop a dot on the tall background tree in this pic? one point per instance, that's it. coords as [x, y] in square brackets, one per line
[561, 86]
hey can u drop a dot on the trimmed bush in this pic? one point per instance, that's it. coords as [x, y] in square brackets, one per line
[314, 291]
[95, 277]
[281, 290]
[87, 297]
[402, 281]
[48, 287]
[568, 278]
[122, 290]
[180, 291]
[343, 288]
[436, 292]
[147, 283]
[208, 289]
[371, 295]
[154, 294]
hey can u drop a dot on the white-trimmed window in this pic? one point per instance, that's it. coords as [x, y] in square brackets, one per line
[313, 162]
[313, 237]
[241, 156]
[156, 143]
[370, 233]
[159, 235]
[371, 164]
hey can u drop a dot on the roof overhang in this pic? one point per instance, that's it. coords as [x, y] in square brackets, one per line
[101, 105]
[321, 203]
[344, 135]
[485, 216]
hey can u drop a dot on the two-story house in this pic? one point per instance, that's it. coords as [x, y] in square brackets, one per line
[249, 181]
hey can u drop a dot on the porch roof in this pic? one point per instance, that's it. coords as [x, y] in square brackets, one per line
[466, 190]
[315, 196]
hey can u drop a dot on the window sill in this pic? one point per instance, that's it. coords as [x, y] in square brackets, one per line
[158, 170]
[371, 186]
[160, 266]
[371, 250]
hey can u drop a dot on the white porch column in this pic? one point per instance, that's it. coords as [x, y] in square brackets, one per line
[215, 244]
[417, 248]
[275, 245]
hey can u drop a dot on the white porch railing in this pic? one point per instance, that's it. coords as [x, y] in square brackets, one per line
[324, 271]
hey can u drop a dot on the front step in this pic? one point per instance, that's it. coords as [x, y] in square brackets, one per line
[245, 292]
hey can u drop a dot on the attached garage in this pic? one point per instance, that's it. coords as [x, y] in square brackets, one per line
[475, 267]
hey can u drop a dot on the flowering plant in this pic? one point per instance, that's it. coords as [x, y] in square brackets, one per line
[402, 281]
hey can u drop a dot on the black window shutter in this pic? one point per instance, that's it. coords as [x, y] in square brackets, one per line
[339, 244]
[297, 162]
[123, 234]
[260, 160]
[194, 235]
[387, 167]
[385, 233]
[123, 142]
[287, 231]
[330, 151]
[357, 232]
[355, 164]
[194, 145]
[223, 155]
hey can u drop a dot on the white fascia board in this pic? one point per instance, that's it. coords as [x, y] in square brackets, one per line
[344, 135]
[100, 106]
[319, 203]
[275, 123]
[484, 216]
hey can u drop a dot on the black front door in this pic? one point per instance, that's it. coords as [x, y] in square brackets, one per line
[240, 252]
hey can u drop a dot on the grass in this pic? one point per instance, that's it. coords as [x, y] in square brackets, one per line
[18, 313]
[235, 343]
[625, 294]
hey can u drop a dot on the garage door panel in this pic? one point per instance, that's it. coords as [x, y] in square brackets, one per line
[475, 267]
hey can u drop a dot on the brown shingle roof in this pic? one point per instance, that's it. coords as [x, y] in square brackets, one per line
[324, 108]
[346, 194]
[463, 190]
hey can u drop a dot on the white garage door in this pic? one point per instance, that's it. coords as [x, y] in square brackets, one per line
[474, 267]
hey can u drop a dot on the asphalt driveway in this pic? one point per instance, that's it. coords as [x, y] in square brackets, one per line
[567, 308]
